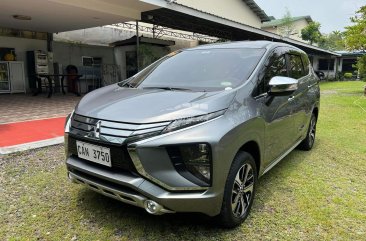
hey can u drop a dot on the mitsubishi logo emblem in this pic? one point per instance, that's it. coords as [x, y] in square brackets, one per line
[97, 130]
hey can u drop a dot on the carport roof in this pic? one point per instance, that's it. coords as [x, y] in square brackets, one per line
[152, 41]
[257, 10]
[64, 15]
[181, 17]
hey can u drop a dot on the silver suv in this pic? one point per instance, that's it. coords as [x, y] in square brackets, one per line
[195, 130]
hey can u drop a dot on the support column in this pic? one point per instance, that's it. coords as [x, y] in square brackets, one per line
[52, 81]
[137, 46]
[50, 42]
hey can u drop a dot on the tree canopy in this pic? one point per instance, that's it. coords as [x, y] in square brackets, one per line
[287, 27]
[333, 41]
[355, 35]
[355, 39]
[311, 33]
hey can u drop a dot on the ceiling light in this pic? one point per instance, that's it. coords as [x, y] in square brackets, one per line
[22, 17]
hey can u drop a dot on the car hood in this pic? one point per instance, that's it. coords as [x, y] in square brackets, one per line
[135, 105]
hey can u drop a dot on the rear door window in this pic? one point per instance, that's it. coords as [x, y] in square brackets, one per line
[306, 63]
[296, 68]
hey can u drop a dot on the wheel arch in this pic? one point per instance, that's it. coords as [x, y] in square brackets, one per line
[252, 147]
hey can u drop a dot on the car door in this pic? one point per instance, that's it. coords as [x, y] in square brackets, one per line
[298, 99]
[276, 111]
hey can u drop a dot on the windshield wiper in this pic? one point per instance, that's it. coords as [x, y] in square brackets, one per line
[166, 88]
[126, 83]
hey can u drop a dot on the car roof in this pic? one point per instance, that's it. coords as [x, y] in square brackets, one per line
[243, 44]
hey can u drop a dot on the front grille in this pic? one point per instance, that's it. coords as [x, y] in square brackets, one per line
[111, 131]
[119, 155]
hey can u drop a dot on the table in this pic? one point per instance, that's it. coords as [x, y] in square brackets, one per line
[50, 78]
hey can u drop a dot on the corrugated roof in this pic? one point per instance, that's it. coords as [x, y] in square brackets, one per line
[257, 10]
[147, 40]
[351, 53]
[199, 16]
[279, 22]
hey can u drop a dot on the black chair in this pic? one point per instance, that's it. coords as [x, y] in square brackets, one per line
[72, 79]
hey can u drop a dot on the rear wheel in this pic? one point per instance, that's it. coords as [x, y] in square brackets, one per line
[239, 191]
[308, 142]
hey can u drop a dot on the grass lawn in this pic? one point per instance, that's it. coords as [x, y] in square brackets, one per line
[317, 195]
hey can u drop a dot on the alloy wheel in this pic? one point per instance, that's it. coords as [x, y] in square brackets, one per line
[312, 131]
[242, 190]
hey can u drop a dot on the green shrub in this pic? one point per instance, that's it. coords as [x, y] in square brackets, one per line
[348, 75]
[361, 65]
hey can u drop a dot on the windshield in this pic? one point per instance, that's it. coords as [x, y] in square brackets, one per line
[200, 70]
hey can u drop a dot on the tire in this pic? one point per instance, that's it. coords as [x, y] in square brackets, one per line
[239, 191]
[308, 143]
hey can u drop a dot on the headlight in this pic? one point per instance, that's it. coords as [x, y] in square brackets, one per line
[193, 161]
[68, 122]
[183, 123]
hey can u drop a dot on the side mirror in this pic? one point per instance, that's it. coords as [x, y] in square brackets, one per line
[280, 85]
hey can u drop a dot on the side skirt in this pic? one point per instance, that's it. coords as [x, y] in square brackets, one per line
[281, 157]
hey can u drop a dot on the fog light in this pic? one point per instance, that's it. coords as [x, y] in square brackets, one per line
[151, 206]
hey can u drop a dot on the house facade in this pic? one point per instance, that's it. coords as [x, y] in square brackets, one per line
[290, 30]
[241, 11]
[338, 67]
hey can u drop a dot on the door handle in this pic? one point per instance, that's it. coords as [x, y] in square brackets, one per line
[291, 98]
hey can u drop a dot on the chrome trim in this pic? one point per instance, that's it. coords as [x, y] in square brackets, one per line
[116, 132]
[113, 132]
[170, 133]
[133, 199]
[145, 131]
[68, 122]
[310, 86]
[140, 169]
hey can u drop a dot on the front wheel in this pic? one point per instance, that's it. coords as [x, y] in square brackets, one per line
[239, 191]
[308, 142]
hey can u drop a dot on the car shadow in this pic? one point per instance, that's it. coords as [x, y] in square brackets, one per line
[122, 218]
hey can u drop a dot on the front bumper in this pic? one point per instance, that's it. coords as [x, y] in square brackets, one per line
[135, 190]
[147, 172]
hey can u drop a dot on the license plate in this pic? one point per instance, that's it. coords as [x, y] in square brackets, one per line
[93, 153]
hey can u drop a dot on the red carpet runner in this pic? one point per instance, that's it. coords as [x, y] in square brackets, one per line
[30, 131]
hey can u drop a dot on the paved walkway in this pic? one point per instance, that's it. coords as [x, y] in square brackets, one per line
[21, 107]
[28, 122]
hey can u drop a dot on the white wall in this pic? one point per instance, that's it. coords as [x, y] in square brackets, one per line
[67, 53]
[330, 73]
[235, 10]
[64, 53]
[297, 25]
[21, 46]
